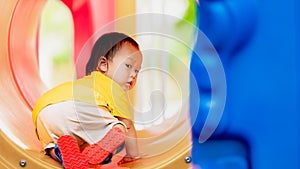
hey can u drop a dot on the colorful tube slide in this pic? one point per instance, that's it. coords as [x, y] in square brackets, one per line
[166, 145]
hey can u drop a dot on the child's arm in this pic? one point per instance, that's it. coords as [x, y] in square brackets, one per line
[131, 144]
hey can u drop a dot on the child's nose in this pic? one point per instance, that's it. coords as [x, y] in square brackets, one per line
[133, 74]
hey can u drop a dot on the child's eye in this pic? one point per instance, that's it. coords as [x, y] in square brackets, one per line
[128, 66]
[137, 71]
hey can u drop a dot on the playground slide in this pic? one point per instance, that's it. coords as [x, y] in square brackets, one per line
[165, 145]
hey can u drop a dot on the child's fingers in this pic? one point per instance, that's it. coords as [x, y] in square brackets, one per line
[126, 160]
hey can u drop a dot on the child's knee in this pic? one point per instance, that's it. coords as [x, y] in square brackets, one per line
[120, 126]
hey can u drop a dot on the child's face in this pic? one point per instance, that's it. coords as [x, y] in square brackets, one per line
[125, 66]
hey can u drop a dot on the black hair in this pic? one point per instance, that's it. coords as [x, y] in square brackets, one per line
[107, 45]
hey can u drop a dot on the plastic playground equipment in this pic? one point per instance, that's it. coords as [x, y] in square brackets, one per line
[258, 44]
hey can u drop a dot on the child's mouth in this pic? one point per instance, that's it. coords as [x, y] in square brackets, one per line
[129, 83]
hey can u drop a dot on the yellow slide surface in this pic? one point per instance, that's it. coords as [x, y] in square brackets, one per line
[165, 145]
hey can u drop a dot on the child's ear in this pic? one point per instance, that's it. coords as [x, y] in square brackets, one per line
[102, 64]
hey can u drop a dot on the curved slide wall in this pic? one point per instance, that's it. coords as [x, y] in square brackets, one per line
[20, 86]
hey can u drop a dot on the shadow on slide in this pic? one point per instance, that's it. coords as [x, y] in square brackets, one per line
[166, 145]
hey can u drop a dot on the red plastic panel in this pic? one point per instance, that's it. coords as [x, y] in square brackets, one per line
[89, 16]
[23, 48]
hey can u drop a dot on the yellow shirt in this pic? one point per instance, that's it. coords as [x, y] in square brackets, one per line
[95, 89]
